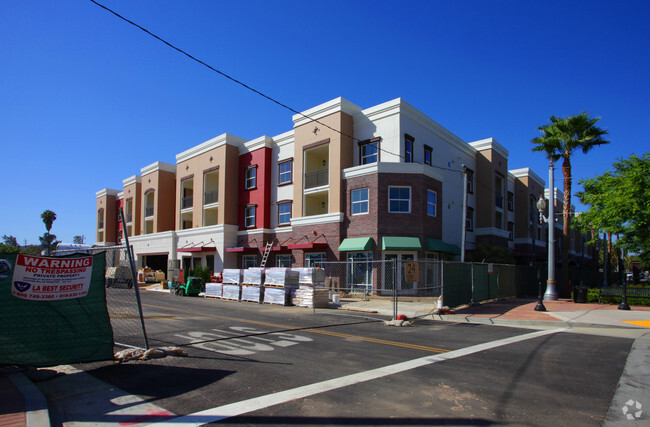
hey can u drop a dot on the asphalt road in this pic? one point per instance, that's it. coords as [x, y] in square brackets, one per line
[251, 364]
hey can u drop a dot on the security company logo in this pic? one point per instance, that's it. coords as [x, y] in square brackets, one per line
[5, 268]
[22, 286]
[632, 409]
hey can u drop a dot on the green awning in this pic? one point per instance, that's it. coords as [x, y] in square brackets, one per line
[453, 249]
[399, 243]
[435, 245]
[356, 244]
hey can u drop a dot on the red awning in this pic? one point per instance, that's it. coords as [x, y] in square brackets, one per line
[318, 245]
[279, 248]
[199, 249]
[242, 249]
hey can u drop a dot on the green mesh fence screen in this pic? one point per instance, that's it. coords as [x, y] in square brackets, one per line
[46, 333]
[481, 282]
[457, 284]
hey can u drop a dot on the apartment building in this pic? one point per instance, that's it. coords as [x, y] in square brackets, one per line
[345, 183]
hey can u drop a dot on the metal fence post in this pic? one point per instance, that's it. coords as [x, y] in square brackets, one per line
[134, 273]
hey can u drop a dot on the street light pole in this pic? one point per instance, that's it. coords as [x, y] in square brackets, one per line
[551, 293]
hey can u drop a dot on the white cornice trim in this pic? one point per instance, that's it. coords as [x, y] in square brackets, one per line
[158, 166]
[106, 192]
[400, 106]
[254, 231]
[135, 179]
[120, 195]
[256, 144]
[211, 144]
[396, 168]
[490, 143]
[317, 219]
[284, 138]
[527, 172]
[318, 112]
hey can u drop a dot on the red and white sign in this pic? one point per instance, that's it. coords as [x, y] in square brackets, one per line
[47, 279]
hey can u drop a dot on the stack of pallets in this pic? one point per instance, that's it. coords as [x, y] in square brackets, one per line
[213, 290]
[231, 289]
[311, 291]
[251, 289]
[278, 285]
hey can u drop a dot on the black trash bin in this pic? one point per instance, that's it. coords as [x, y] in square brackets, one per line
[580, 295]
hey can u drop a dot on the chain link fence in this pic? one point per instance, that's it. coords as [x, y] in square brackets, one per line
[381, 286]
[122, 297]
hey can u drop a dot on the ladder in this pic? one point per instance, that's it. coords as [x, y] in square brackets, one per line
[267, 251]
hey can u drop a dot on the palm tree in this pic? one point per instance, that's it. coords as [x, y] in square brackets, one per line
[560, 139]
[48, 218]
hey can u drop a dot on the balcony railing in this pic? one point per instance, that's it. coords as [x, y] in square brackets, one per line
[148, 211]
[187, 202]
[210, 197]
[498, 200]
[317, 179]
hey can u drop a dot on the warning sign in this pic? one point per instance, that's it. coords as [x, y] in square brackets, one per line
[47, 279]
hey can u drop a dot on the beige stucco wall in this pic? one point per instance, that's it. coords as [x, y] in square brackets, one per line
[134, 192]
[108, 203]
[164, 185]
[340, 156]
[226, 159]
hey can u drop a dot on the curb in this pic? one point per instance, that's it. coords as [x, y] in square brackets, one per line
[524, 323]
[36, 412]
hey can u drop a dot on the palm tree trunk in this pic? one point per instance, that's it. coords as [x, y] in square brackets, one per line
[566, 231]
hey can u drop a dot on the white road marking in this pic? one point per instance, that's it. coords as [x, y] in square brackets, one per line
[250, 405]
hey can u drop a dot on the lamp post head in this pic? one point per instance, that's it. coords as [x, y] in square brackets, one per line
[541, 204]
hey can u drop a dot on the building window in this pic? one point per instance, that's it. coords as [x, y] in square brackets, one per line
[250, 178]
[431, 202]
[511, 201]
[284, 213]
[359, 201]
[409, 142]
[315, 260]
[469, 220]
[428, 155]
[399, 199]
[498, 192]
[283, 261]
[511, 231]
[498, 221]
[249, 216]
[360, 270]
[248, 261]
[284, 172]
[470, 181]
[369, 151]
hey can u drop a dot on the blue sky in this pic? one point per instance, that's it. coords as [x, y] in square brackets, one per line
[87, 100]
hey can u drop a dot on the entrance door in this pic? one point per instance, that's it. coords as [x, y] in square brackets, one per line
[394, 263]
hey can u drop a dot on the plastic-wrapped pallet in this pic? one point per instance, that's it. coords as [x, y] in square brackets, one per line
[309, 296]
[253, 276]
[213, 290]
[251, 293]
[310, 276]
[279, 296]
[232, 276]
[283, 277]
[231, 292]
